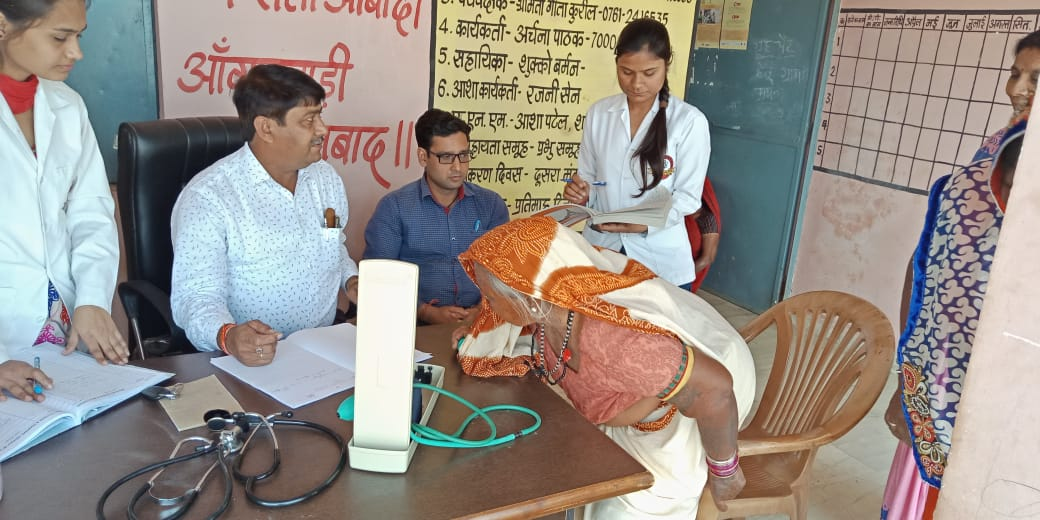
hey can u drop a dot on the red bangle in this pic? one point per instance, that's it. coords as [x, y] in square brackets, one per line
[222, 337]
[726, 468]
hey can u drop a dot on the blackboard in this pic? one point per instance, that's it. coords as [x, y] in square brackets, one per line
[761, 104]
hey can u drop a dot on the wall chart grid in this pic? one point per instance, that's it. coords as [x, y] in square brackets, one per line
[912, 93]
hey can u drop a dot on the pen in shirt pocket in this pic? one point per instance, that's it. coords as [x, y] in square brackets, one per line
[330, 218]
[476, 225]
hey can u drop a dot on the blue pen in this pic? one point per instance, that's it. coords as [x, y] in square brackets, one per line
[594, 183]
[476, 225]
[37, 388]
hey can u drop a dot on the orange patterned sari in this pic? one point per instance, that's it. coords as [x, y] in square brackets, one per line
[540, 258]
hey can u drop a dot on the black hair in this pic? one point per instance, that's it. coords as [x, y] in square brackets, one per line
[436, 122]
[652, 36]
[271, 91]
[1008, 160]
[1029, 41]
[22, 13]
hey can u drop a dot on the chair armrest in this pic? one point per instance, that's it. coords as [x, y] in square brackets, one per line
[756, 326]
[816, 437]
[132, 292]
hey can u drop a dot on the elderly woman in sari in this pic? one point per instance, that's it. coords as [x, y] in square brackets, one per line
[661, 372]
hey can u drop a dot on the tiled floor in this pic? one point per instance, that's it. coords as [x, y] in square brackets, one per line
[848, 477]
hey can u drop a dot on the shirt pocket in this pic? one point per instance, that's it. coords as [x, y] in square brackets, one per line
[331, 249]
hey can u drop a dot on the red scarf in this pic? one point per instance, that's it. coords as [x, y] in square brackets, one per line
[19, 94]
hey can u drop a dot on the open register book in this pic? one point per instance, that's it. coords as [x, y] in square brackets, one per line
[652, 211]
[82, 389]
[309, 365]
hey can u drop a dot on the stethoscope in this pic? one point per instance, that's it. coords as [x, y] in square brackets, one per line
[229, 448]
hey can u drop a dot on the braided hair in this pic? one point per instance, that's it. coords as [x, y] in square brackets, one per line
[652, 36]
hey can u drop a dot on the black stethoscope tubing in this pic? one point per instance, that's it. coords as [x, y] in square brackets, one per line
[249, 481]
[189, 497]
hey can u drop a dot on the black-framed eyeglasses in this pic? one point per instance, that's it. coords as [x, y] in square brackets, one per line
[448, 158]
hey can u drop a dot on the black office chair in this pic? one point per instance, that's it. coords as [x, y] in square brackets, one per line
[156, 160]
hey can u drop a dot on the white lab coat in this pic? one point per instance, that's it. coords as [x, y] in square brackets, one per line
[57, 217]
[606, 155]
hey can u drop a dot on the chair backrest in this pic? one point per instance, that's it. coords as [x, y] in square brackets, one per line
[834, 353]
[156, 160]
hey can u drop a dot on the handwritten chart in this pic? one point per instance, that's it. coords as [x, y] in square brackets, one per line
[912, 93]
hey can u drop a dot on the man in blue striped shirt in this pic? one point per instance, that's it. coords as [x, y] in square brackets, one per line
[430, 221]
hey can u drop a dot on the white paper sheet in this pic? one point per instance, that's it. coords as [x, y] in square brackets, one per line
[309, 365]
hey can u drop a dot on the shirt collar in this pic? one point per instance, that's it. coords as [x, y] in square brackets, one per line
[621, 105]
[424, 189]
[255, 173]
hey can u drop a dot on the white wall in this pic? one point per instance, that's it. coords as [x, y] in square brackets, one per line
[857, 238]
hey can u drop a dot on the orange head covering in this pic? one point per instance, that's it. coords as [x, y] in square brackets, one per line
[540, 258]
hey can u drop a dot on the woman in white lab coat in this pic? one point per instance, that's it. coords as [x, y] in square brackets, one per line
[59, 250]
[639, 140]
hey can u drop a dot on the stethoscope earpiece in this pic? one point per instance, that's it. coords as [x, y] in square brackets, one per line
[217, 420]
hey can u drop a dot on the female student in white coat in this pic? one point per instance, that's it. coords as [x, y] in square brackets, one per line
[639, 140]
[59, 250]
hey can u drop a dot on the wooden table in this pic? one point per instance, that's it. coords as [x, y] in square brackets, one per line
[566, 463]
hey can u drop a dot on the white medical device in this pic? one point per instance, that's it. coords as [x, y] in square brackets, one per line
[385, 364]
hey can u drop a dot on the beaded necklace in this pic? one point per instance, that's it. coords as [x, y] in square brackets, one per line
[561, 360]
